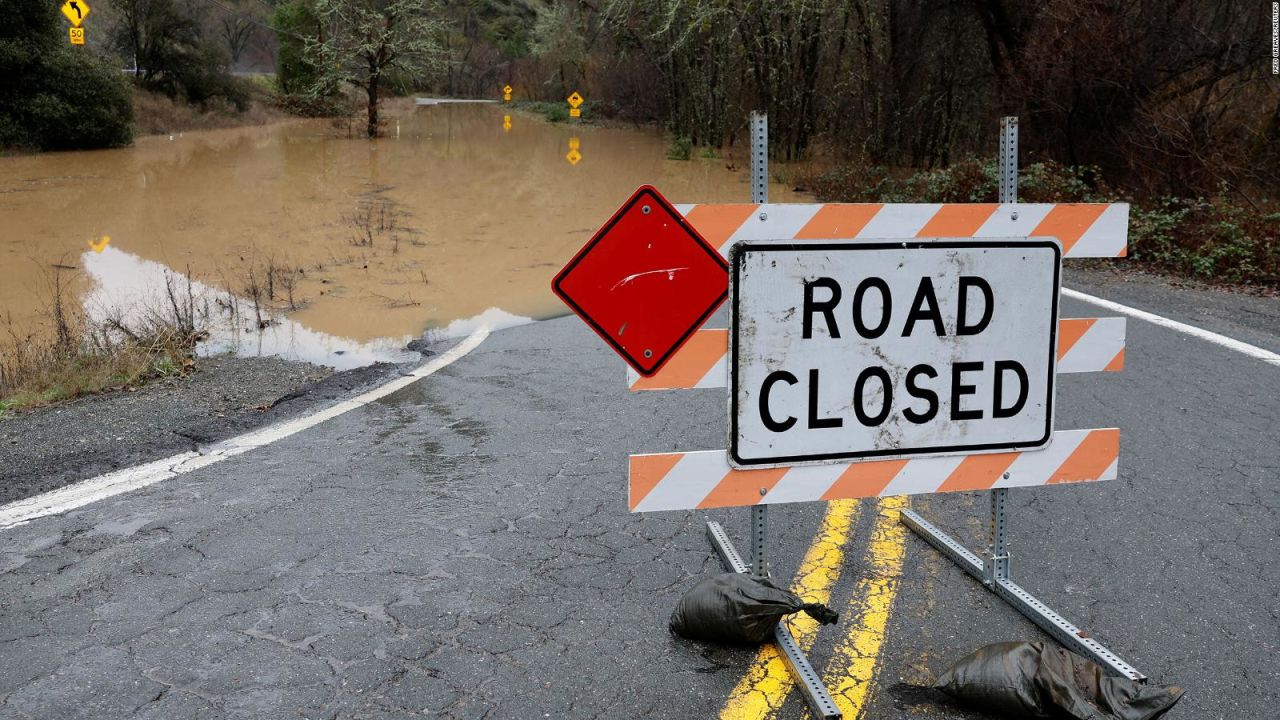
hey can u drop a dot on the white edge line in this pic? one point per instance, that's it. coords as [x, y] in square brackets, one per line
[1241, 347]
[126, 480]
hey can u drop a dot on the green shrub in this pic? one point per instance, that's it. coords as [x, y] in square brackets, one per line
[294, 20]
[967, 181]
[681, 148]
[54, 96]
[204, 79]
[83, 103]
[555, 112]
[1217, 240]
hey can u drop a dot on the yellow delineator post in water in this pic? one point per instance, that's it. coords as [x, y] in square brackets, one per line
[506, 123]
[506, 93]
[573, 156]
[575, 101]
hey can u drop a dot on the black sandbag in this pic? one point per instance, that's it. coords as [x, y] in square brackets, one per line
[1036, 680]
[738, 608]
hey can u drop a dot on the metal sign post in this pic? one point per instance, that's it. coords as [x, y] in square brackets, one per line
[992, 570]
[759, 196]
[814, 692]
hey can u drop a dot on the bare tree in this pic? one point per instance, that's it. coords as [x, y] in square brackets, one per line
[237, 31]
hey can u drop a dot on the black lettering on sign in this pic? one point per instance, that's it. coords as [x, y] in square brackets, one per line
[959, 390]
[998, 410]
[886, 307]
[859, 399]
[774, 377]
[816, 422]
[924, 307]
[826, 307]
[929, 396]
[962, 325]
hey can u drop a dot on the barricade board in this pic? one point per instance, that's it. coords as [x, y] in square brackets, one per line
[891, 349]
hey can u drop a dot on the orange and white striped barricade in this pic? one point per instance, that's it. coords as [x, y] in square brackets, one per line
[696, 480]
[606, 273]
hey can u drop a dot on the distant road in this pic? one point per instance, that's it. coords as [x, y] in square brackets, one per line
[444, 101]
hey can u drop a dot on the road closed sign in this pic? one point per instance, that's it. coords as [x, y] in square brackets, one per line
[889, 349]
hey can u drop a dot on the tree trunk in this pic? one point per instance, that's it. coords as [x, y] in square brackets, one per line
[372, 89]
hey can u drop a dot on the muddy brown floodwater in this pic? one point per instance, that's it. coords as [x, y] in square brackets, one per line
[450, 220]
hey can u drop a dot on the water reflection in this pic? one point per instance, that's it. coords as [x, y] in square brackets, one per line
[574, 155]
[449, 220]
[125, 287]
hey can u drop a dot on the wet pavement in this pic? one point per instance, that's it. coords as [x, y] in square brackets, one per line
[462, 549]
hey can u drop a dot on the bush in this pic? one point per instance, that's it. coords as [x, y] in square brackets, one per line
[83, 104]
[173, 54]
[295, 76]
[681, 148]
[555, 112]
[203, 78]
[306, 106]
[1217, 240]
[54, 96]
[967, 181]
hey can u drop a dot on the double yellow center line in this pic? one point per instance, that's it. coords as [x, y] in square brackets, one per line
[851, 671]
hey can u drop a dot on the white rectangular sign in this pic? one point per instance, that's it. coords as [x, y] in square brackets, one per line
[891, 349]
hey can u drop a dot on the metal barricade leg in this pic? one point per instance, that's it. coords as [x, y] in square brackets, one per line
[807, 679]
[993, 572]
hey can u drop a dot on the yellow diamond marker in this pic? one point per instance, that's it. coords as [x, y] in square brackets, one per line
[77, 36]
[100, 244]
[574, 157]
[506, 90]
[575, 99]
[76, 11]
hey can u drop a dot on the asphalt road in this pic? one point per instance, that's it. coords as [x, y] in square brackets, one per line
[462, 549]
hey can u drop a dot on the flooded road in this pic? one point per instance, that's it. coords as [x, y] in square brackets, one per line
[353, 246]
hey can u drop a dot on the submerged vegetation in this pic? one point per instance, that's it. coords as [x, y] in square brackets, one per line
[74, 356]
[72, 352]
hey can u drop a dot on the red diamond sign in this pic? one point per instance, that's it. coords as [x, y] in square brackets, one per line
[645, 281]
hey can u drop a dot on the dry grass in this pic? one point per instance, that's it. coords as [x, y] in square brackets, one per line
[156, 114]
[70, 356]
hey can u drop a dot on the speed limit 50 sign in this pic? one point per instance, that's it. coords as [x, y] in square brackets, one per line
[891, 349]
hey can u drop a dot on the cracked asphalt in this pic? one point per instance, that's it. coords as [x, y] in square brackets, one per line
[462, 549]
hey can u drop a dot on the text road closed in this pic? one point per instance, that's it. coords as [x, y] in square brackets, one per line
[889, 349]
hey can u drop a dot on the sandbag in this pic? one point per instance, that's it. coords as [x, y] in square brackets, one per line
[739, 609]
[1036, 680]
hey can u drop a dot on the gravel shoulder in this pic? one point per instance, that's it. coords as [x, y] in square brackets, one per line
[46, 448]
